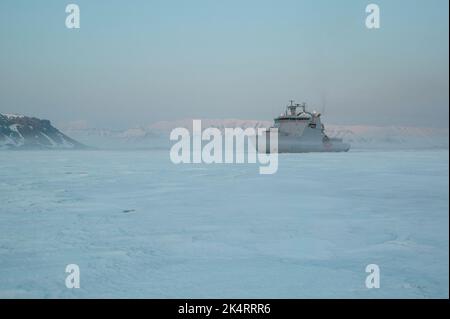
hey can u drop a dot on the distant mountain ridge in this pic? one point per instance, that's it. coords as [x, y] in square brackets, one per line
[23, 132]
[156, 135]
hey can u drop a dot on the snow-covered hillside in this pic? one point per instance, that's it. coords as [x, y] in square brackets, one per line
[23, 132]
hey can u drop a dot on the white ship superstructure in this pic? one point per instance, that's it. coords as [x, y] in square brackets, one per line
[302, 131]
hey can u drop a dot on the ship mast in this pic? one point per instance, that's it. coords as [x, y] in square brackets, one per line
[292, 108]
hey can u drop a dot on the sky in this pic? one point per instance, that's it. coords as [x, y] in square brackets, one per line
[137, 62]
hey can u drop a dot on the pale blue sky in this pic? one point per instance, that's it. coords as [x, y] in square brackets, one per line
[137, 62]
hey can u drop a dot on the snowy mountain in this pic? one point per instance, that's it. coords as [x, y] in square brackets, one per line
[133, 138]
[153, 136]
[156, 135]
[23, 132]
[391, 137]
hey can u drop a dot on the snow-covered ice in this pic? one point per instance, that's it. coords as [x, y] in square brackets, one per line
[140, 226]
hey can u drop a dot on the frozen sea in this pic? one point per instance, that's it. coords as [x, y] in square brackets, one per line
[139, 226]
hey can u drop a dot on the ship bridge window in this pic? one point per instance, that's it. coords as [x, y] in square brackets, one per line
[312, 125]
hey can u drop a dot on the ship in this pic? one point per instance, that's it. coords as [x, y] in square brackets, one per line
[301, 131]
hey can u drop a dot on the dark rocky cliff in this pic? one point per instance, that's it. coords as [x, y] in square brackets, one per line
[23, 132]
